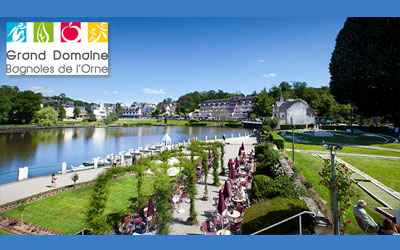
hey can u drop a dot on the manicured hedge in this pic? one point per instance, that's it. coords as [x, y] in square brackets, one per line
[364, 129]
[269, 212]
[234, 124]
[264, 187]
[278, 141]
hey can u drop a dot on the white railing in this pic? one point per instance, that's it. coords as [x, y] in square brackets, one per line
[283, 221]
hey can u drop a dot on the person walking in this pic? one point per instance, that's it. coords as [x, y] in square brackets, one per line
[53, 181]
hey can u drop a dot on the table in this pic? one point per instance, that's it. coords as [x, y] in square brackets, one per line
[235, 199]
[235, 214]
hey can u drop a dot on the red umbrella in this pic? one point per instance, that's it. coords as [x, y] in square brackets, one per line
[221, 203]
[242, 147]
[227, 191]
[240, 151]
[231, 174]
[150, 207]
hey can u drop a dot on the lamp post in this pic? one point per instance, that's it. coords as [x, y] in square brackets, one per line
[292, 123]
[334, 198]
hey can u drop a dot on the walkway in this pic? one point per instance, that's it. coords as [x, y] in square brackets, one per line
[393, 158]
[380, 148]
[20, 189]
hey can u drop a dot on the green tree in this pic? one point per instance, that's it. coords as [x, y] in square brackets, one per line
[75, 178]
[25, 104]
[61, 111]
[262, 105]
[77, 111]
[365, 66]
[118, 109]
[165, 118]
[162, 194]
[48, 117]
[111, 117]
[7, 95]
[156, 112]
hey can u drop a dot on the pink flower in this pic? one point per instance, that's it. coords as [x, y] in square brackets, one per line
[342, 208]
[349, 204]
[358, 195]
[344, 165]
[349, 221]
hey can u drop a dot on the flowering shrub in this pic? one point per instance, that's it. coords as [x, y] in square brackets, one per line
[344, 187]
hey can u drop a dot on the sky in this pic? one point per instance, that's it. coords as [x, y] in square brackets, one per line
[155, 58]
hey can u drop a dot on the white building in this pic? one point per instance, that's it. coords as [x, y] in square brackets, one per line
[102, 110]
[298, 109]
[138, 110]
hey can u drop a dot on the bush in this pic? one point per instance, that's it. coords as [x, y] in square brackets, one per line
[234, 124]
[277, 140]
[269, 212]
[268, 165]
[266, 188]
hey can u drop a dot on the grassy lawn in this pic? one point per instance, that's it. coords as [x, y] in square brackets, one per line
[392, 145]
[309, 166]
[346, 149]
[385, 171]
[64, 212]
[2, 232]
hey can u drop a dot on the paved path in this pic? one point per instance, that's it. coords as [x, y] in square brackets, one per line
[380, 148]
[393, 158]
[20, 189]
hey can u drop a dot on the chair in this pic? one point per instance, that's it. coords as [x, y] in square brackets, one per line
[361, 224]
[218, 221]
[235, 227]
[205, 227]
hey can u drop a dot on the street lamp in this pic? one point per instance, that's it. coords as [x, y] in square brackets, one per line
[292, 123]
[334, 198]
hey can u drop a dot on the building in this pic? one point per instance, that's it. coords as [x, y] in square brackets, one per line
[298, 109]
[102, 110]
[225, 109]
[137, 110]
[169, 108]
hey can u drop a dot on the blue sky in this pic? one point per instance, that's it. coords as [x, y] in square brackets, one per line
[155, 58]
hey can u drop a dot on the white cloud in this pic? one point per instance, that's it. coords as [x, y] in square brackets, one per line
[43, 90]
[115, 92]
[153, 91]
[261, 60]
[270, 75]
[106, 92]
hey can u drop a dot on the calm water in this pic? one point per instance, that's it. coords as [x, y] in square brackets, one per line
[47, 149]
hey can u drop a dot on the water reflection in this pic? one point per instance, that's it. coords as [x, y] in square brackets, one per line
[75, 145]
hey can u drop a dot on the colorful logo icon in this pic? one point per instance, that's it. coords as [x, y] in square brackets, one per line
[43, 32]
[16, 32]
[98, 32]
[71, 32]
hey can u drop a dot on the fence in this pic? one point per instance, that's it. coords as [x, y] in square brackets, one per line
[29, 172]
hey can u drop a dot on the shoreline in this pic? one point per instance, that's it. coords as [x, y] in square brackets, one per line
[27, 128]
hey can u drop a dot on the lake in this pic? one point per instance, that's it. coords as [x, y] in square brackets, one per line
[43, 151]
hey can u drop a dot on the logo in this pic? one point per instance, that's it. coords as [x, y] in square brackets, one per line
[16, 32]
[71, 32]
[97, 32]
[43, 32]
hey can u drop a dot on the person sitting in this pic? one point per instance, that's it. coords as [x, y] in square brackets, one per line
[389, 228]
[247, 168]
[369, 225]
[140, 228]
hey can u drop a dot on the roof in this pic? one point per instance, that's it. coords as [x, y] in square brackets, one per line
[166, 138]
[286, 105]
[229, 99]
